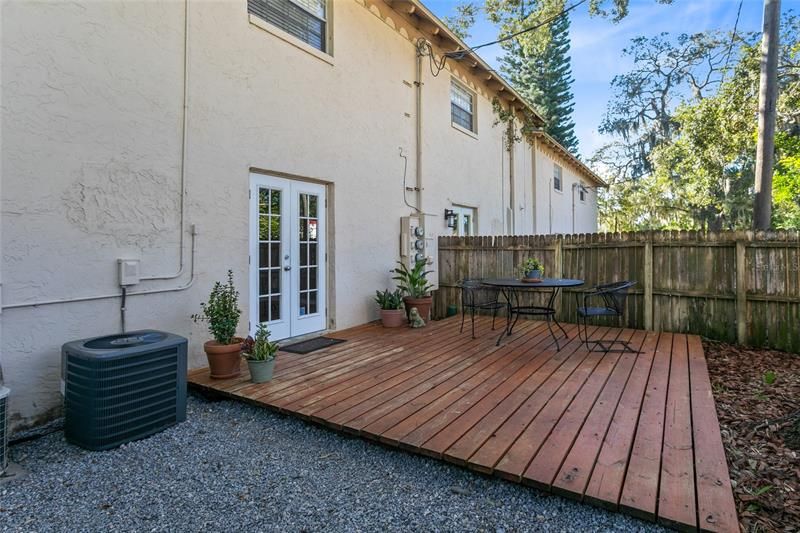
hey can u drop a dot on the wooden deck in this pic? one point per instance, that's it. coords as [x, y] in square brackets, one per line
[636, 433]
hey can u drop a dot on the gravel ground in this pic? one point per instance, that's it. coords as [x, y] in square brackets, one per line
[234, 467]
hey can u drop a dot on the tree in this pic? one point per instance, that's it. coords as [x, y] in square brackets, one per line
[685, 157]
[545, 80]
[463, 20]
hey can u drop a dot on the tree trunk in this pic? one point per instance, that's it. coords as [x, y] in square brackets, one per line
[767, 101]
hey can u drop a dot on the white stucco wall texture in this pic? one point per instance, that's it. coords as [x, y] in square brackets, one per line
[92, 144]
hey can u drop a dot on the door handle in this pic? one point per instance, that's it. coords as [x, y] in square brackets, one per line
[287, 268]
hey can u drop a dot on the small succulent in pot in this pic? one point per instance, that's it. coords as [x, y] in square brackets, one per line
[391, 304]
[532, 268]
[260, 354]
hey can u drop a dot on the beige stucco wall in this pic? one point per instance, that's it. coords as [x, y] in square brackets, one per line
[554, 209]
[92, 96]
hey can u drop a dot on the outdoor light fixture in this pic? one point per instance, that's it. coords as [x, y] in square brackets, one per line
[450, 218]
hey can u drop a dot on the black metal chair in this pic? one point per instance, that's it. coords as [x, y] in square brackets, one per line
[471, 290]
[612, 297]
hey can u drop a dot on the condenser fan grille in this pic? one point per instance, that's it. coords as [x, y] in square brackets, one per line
[137, 391]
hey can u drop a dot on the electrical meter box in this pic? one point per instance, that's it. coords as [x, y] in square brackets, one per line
[418, 242]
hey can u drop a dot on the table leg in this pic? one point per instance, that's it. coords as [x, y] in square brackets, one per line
[515, 293]
[550, 305]
[506, 330]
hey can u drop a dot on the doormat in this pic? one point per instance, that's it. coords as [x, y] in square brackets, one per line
[311, 345]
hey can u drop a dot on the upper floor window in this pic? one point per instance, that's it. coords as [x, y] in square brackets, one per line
[556, 177]
[304, 19]
[462, 106]
[582, 192]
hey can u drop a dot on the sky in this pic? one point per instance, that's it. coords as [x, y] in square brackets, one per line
[597, 45]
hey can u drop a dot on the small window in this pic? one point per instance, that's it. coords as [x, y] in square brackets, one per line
[462, 104]
[582, 192]
[556, 177]
[305, 19]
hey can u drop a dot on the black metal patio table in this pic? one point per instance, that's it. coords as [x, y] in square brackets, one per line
[511, 289]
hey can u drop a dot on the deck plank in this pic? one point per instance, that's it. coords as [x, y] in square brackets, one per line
[608, 472]
[461, 450]
[493, 450]
[545, 466]
[631, 432]
[516, 459]
[676, 496]
[640, 489]
[716, 506]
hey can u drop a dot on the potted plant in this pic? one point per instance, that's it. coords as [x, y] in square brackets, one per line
[414, 284]
[391, 304]
[260, 355]
[532, 268]
[222, 312]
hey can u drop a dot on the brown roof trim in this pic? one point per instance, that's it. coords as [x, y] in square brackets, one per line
[444, 38]
[563, 152]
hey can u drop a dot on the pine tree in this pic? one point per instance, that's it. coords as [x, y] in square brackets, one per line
[544, 79]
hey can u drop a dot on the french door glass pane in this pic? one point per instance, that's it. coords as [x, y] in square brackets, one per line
[269, 246]
[309, 260]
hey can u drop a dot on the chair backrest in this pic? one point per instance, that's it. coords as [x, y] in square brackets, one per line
[615, 294]
[469, 288]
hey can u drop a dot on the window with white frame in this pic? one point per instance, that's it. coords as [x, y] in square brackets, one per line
[582, 190]
[557, 177]
[304, 19]
[462, 106]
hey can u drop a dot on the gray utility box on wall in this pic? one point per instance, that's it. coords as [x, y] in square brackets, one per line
[124, 387]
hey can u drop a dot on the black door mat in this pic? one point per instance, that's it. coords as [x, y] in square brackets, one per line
[310, 345]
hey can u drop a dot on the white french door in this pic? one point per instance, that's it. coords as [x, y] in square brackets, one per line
[287, 256]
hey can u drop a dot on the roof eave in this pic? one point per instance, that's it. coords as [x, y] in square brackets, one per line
[415, 8]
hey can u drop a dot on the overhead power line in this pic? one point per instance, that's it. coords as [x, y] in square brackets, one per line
[459, 54]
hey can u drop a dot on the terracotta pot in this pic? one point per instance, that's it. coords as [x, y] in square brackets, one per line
[393, 318]
[224, 360]
[423, 306]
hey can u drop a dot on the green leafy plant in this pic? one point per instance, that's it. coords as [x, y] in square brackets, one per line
[389, 300]
[259, 348]
[531, 264]
[221, 311]
[413, 282]
[769, 377]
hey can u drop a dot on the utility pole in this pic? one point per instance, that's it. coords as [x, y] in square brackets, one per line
[767, 101]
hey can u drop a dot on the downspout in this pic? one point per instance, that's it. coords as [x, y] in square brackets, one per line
[550, 203]
[184, 150]
[512, 188]
[421, 45]
[534, 197]
[573, 206]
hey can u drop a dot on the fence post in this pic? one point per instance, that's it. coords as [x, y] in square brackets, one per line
[558, 270]
[741, 292]
[648, 283]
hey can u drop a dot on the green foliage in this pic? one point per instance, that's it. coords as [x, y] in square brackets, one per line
[389, 300]
[545, 79]
[769, 377]
[786, 182]
[413, 282]
[531, 264]
[463, 20]
[512, 16]
[686, 126]
[221, 311]
[259, 348]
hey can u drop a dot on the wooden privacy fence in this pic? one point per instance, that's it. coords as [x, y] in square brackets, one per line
[731, 286]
